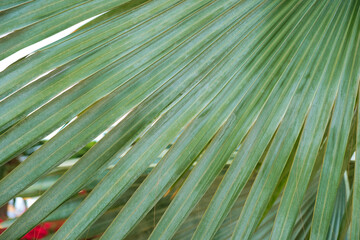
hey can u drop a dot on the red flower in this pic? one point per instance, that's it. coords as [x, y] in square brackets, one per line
[37, 232]
[41, 230]
[2, 229]
[82, 192]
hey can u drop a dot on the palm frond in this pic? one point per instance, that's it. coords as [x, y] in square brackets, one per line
[224, 119]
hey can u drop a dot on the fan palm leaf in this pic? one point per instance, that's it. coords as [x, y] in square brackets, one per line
[230, 119]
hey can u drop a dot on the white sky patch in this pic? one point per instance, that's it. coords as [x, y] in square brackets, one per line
[353, 157]
[51, 135]
[19, 206]
[32, 48]
[111, 127]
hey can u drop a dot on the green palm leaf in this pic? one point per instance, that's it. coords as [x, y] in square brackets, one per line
[224, 119]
